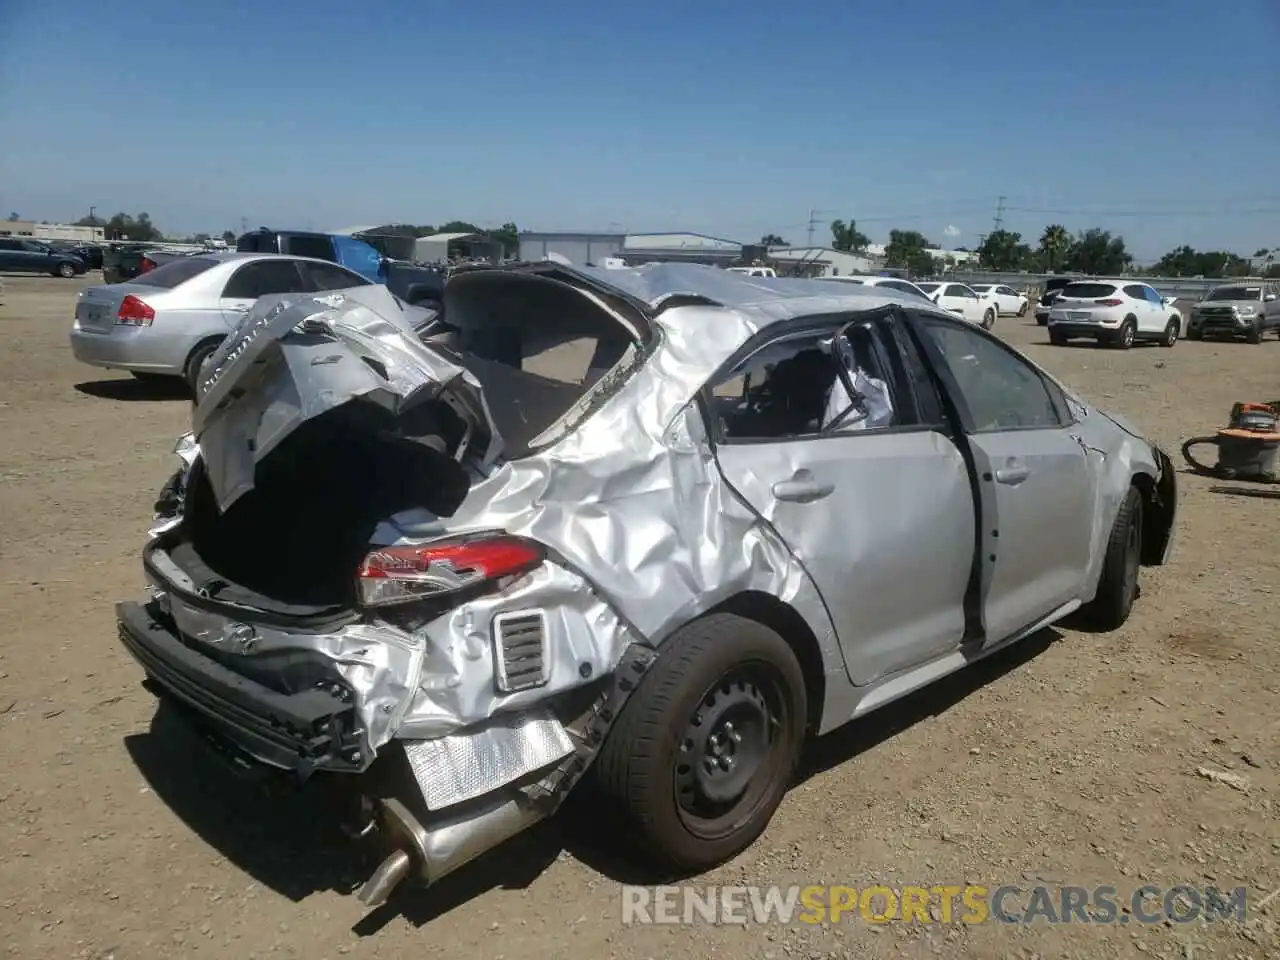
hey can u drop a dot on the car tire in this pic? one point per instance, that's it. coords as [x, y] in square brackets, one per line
[1042, 321]
[65, 270]
[1118, 582]
[988, 319]
[1195, 333]
[191, 372]
[1022, 309]
[694, 796]
[1127, 333]
[1170, 338]
[1255, 333]
[1056, 338]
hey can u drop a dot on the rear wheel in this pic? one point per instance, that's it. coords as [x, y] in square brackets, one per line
[1118, 583]
[702, 754]
[1056, 338]
[1170, 334]
[988, 319]
[1128, 331]
[1022, 309]
[66, 270]
[199, 355]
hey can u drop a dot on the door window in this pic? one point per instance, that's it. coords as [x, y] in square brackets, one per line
[1136, 291]
[308, 245]
[1153, 296]
[959, 290]
[262, 277]
[1001, 390]
[328, 276]
[807, 385]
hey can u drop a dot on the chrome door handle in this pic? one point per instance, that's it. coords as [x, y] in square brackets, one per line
[1013, 474]
[801, 491]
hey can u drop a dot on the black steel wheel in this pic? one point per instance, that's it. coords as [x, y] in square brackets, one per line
[703, 752]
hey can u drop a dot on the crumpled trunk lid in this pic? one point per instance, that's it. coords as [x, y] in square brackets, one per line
[293, 359]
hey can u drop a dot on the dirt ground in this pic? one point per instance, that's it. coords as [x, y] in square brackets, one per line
[1071, 759]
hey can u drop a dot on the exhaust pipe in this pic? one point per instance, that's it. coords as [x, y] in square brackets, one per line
[444, 847]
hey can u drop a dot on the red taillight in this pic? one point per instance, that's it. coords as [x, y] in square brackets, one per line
[147, 265]
[134, 313]
[1110, 302]
[402, 574]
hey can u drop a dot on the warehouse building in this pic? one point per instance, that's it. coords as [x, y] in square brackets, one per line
[579, 248]
[50, 231]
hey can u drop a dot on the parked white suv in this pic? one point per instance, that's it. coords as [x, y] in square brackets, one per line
[1114, 312]
[1009, 302]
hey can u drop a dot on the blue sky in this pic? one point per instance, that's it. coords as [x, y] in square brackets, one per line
[1159, 119]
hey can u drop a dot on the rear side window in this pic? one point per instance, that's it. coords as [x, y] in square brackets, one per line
[302, 245]
[175, 272]
[261, 277]
[958, 290]
[328, 276]
[793, 388]
[1089, 291]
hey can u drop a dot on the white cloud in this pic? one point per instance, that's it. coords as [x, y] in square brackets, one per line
[951, 231]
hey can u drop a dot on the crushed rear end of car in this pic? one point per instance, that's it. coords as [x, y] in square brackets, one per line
[330, 595]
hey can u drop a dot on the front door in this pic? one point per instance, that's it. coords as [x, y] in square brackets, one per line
[1035, 480]
[875, 503]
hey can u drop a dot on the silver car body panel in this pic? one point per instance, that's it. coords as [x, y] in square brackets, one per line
[648, 524]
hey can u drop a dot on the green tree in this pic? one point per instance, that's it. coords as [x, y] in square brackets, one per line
[1260, 252]
[509, 235]
[1055, 246]
[124, 227]
[458, 226]
[229, 237]
[773, 240]
[1097, 252]
[1003, 250]
[1186, 261]
[847, 236]
[90, 222]
[909, 249]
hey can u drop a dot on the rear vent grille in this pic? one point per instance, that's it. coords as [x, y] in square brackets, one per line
[520, 650]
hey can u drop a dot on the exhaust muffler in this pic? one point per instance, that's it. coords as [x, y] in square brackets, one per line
[435, 851]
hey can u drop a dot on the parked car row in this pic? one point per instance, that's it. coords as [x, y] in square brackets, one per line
[167, 321]
[454, 579]
[981, 303]
[1123, 312]
[25, 255]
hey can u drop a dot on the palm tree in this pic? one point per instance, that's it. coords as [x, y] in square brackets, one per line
[1054, 244]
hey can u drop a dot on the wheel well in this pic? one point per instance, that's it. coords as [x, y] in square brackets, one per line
[783, 620]
[203, 343]
[1131, 317]
[1153, 519]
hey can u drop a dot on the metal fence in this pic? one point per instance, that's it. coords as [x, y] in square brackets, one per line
[1184, 288]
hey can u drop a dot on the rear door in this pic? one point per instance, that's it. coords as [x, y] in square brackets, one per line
[822, 432]
[959, 299]
[1036, 484]
[255, 279]
[9, 259]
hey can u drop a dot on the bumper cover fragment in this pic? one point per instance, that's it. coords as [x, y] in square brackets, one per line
[299, 732]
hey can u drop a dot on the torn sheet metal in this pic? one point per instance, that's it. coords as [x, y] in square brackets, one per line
[292, 359]
[479, 760]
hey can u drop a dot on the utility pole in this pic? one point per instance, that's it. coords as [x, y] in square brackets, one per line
[999, 213]
[813, 222]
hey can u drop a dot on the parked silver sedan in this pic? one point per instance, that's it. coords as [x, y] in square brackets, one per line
[663, 523]
[168, 321]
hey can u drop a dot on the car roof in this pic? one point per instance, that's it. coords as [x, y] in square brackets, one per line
[760, 300]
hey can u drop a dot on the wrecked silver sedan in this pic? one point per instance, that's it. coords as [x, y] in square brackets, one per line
[660, 523]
